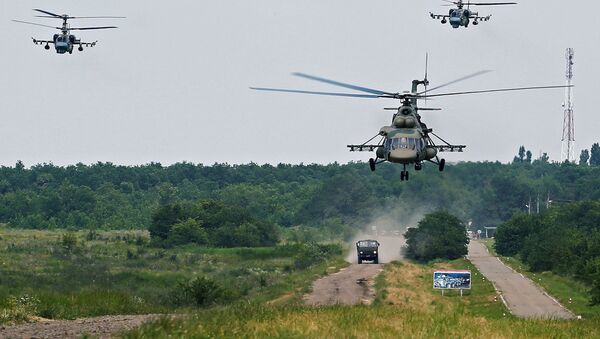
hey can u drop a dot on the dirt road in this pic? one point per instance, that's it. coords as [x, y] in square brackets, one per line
[523, 297]
[354, 284]
[99, 327]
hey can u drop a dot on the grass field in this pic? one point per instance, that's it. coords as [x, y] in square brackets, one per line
[406, 306]
[58, 275]
[569, 292]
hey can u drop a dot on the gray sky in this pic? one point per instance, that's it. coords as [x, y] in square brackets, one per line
[171, 84]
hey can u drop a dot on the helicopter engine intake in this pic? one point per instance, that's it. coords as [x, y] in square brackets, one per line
[405, 122]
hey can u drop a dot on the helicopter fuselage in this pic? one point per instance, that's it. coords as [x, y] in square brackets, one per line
[63, 43]
[405, 141]
[459, 17]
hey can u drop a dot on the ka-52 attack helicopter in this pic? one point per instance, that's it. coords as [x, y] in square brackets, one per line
[462, 17]
[407, 140]
[65, 42]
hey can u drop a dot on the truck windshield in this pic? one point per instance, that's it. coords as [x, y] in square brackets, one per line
[368, 243]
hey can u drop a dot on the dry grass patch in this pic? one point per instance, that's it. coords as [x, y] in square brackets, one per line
[406, 286]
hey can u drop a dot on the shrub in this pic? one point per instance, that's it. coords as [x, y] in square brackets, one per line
[201, 291]
[20, 309]
[311, 254]
[439, 235]
[188, 231]
[68, 242]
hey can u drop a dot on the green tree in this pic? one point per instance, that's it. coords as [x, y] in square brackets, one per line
[521, 155]
[584, 157]
[528, 157]
[187, 231]
[595, 155]
[439, 235]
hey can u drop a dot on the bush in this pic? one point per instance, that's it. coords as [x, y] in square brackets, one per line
[200, 292]
[439, 235]
[20, 309]
[188, 231]
[311, 254]
[68, 242]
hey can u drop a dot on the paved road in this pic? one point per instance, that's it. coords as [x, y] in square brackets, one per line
[523, 297]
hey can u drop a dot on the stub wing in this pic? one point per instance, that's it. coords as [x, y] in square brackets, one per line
[86, 44]
[41, 42]
[480, 18]
[449, 148]
[363, 148]
[438, 16]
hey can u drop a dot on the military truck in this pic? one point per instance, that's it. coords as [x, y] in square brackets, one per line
[367, 250]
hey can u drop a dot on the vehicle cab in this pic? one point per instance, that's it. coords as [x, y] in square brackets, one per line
[367, 250]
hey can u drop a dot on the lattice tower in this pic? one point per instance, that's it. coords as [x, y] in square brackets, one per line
[568, 136]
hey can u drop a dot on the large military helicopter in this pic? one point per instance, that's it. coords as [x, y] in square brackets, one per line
[65, 41]
[461, 16]
[407, 140]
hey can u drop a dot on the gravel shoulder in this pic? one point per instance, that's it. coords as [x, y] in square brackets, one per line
[522, 296]
[98, 327]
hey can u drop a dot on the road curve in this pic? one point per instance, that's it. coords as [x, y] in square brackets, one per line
[523, 297]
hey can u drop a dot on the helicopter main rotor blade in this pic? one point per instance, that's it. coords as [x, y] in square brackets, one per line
[33, 23]
[49, 13]
[82, 17]
[315, 93]
[90, 28]
[491, 3]
[498, 90]
[455, 81]
[97, 17]
[342, 84]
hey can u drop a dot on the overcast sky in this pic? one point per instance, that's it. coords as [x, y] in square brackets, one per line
[171, 84]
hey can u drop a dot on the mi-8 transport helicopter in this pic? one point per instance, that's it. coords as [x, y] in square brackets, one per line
[64, 42]
[407, 140]
[461, 16]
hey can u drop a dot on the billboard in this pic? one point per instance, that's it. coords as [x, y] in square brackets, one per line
[452, 280]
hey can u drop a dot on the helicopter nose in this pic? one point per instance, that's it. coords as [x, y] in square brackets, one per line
[403, 156]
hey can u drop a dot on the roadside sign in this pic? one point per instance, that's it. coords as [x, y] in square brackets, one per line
[452, 280]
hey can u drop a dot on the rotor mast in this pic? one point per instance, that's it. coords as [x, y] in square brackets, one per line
[568, 136]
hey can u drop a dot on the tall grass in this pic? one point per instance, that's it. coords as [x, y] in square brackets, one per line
[84, 274]
[406, 307]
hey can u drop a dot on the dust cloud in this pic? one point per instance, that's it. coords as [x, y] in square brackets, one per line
[388, 229]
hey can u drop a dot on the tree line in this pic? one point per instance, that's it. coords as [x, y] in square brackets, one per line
[564, 239]
[334, 198]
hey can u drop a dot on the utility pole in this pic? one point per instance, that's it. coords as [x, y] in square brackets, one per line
[568, 136]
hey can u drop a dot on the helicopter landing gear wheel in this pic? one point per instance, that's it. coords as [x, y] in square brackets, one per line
[418, 167]
[442, 165]
[404, 176]
[372, 164]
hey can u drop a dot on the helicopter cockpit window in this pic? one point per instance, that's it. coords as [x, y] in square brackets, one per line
[61, 39]
[455, 14]
[402, 143]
